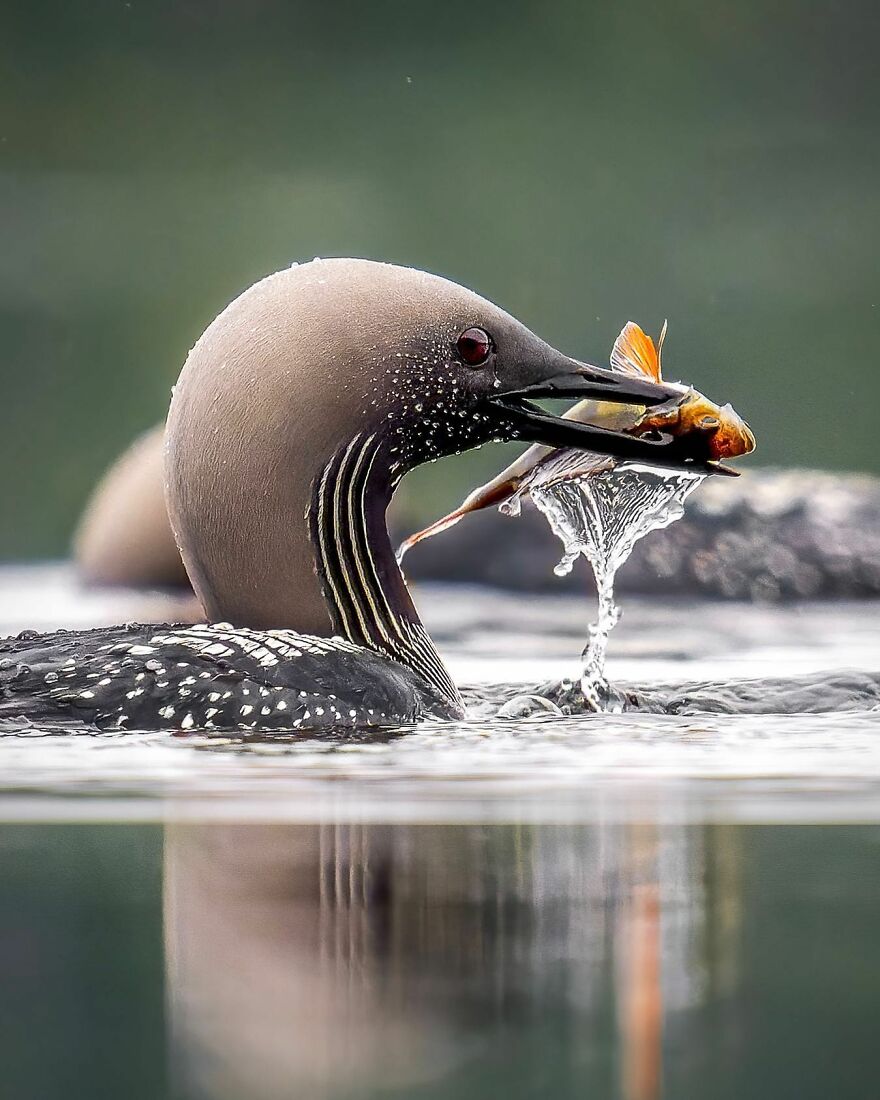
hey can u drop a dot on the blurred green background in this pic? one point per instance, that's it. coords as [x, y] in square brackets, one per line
[710, 162]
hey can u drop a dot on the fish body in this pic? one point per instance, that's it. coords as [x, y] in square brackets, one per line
[725, 433]
[721, 432]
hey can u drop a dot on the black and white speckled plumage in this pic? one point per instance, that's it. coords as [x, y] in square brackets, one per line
[210, 677]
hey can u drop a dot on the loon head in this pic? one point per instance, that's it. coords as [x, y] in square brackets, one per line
[303, 404]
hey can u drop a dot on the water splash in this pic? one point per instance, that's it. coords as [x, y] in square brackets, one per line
[602, 516]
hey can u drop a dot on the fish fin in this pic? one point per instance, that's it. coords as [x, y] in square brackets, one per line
[634, 352]
[494, 492]
[428, 532]
[663, 332]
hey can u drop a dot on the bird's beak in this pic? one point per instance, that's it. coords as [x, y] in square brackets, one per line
[532, 424]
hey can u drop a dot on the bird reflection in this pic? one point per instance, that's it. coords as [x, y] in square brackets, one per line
[341, 960]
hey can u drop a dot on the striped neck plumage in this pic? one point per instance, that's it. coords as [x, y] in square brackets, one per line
[365, 591]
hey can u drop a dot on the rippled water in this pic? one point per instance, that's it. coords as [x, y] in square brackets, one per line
[616, 906]
[802, 738]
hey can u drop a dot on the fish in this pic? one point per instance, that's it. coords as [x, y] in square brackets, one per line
[721, 431]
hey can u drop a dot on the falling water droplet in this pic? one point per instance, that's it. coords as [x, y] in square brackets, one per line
[602, 516]
[528, 706]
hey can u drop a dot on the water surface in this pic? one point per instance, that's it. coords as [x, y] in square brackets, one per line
[635, 905]
[488, 769]
[229, 960]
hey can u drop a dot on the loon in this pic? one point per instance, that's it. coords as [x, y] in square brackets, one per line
[295, 416]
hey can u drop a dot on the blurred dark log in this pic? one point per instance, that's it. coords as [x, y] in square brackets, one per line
[771, 535]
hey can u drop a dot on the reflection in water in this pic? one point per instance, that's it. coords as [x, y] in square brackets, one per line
[347, 960]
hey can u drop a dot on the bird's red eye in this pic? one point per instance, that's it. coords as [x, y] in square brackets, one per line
[474, 346]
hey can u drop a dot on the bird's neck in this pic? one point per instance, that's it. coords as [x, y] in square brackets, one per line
[364, 589]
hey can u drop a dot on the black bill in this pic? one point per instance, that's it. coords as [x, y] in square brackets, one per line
[532, 424]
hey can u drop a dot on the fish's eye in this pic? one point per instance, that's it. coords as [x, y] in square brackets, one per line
[475, 345]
